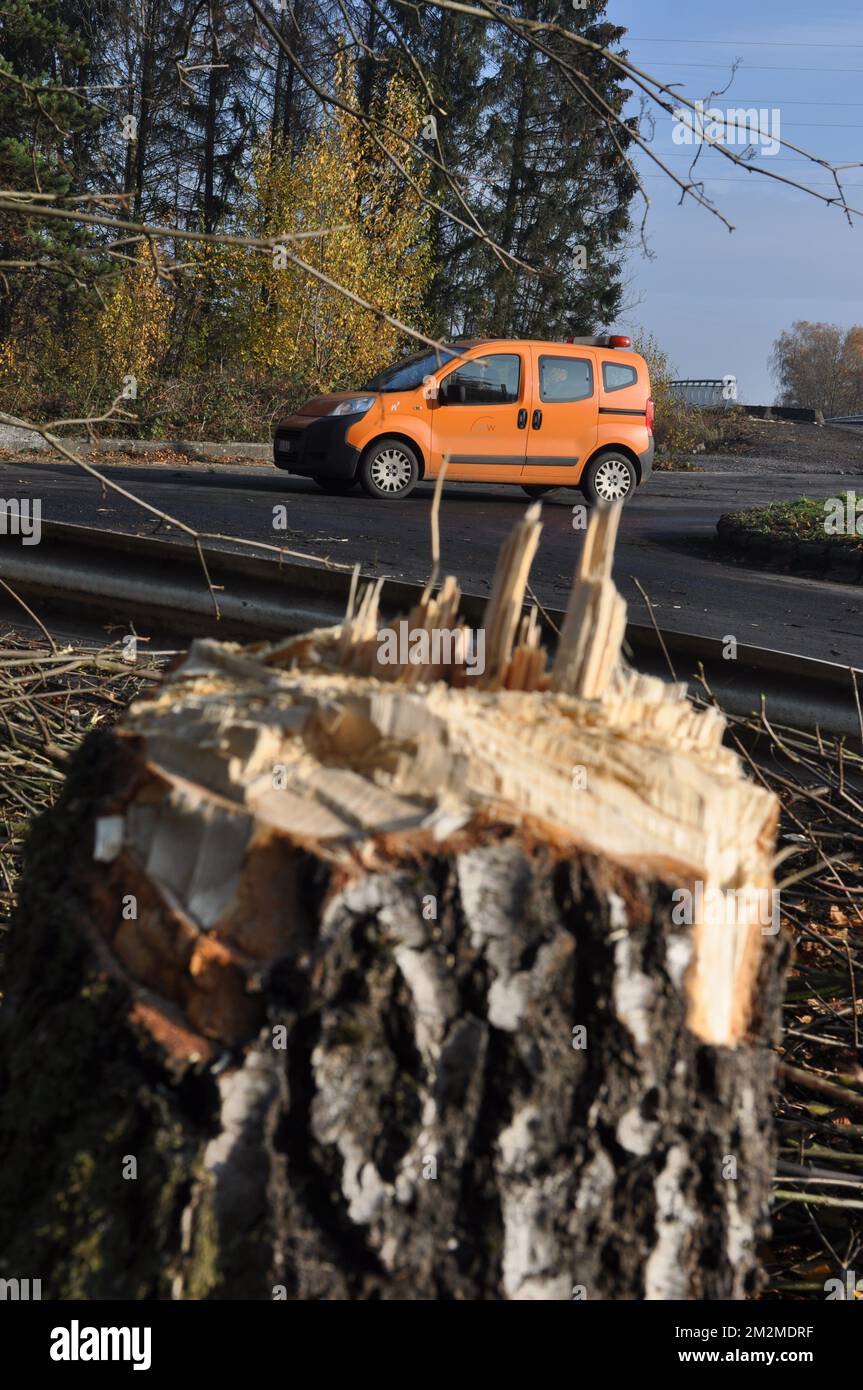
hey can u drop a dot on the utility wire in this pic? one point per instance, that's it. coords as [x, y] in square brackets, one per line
[752, 43]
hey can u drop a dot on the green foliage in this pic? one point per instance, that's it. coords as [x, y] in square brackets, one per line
[802, 519]
[38, 49]
[45, 125]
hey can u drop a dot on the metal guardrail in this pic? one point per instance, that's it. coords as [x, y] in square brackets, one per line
[701, 392]
[144, 579]
[707, 393]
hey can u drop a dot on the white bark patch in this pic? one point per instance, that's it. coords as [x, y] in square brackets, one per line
[617, 912]
[508, 1001]
[635, 1133]
[531, 1206]
[633, 993]
[332, 1111]
[108, 838]
[517, 1140]
[739, 1234]
[433, 995]
[232, 1158]
[398, 911]
[597, 1179]
[361, 1183]
[678, 954]
[747, 1112]
[425, 1146]
[491, 886]
[665, 1275]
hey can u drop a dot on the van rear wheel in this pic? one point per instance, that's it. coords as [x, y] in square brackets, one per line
[389, 469]
[610, 477]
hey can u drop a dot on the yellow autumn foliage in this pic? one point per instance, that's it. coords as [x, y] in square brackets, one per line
[133, 327]
[292, 322]
[8, 357]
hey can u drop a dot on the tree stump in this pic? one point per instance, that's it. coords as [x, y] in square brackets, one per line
[343, 977]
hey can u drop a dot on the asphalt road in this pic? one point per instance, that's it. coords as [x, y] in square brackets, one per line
[666, 539]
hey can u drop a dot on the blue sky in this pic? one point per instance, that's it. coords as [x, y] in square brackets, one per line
[717, 300]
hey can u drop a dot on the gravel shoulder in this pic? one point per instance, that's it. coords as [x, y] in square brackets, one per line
[780, 448]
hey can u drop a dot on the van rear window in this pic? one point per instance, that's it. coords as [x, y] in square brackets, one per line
[565, 378]
[616, 375]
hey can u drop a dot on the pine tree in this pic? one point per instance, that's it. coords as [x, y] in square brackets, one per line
[46, 122]
[551, 185]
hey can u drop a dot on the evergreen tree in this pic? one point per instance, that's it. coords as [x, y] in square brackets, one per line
[551, 185]
[47, 127]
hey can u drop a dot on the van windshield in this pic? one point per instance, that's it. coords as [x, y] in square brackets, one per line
[410, 372]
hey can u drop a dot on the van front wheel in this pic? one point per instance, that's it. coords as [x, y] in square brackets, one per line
[610, 477]
[390, 468]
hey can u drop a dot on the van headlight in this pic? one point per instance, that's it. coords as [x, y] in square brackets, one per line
[358, 406]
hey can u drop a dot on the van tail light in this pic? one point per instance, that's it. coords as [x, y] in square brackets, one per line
[649, 415]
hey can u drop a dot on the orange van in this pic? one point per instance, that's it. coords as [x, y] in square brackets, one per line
[541, 415]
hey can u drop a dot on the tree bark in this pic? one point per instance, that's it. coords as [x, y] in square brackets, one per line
[311, 996]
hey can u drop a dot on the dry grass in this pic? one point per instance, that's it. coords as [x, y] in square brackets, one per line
[818, 1198]
[51, 697]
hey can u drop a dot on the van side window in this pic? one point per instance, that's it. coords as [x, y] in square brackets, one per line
[615, 376]
[490, 380]
[565, 378]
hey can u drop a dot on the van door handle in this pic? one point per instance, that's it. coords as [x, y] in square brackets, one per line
[522, 419]
[537, 420]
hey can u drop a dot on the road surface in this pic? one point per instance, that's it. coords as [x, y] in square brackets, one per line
[666, 539]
